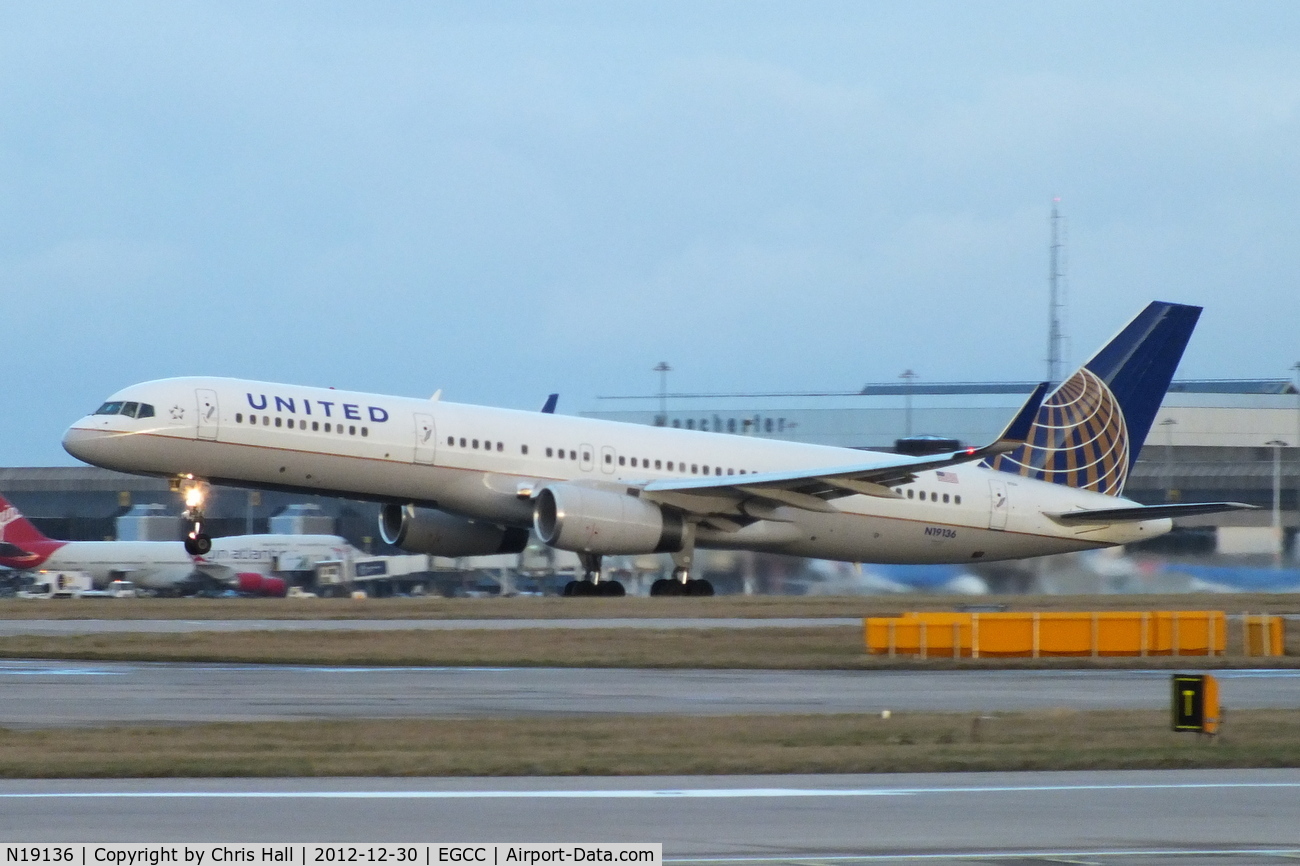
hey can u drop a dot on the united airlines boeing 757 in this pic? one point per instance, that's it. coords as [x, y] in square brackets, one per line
[461, 480]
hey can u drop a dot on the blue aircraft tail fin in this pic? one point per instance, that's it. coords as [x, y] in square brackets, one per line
[1089, 431]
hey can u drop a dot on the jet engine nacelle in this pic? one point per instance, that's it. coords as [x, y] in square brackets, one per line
[588, 520]
[428, 530]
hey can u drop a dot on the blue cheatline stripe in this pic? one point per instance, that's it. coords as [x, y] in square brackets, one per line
[637, 794]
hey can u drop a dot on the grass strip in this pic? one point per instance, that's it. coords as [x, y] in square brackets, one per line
[629, 746]
[561, 608]
[836, 648]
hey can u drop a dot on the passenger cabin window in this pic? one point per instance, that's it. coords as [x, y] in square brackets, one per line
[910, 493]
[451, 440]
[278, 421]
[609, 458]
[634, 462]
[239, 417]
[523, 449]
[327, 426]
[462, 439]
[658, 464]
[956, 500]
[622, 461]
[315, 425]
[550, 452]
[500, 445]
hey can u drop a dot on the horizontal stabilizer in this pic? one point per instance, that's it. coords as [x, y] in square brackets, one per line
[1148, 512]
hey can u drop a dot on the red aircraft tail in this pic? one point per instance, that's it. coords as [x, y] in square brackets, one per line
[22, 545]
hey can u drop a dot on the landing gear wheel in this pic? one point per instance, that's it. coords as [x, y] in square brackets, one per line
[699, 588]
[611, 589]
[198, 545]
[663, 587]
[569, 589]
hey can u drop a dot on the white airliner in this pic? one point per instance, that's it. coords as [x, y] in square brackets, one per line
[243, 562]
[461, 480]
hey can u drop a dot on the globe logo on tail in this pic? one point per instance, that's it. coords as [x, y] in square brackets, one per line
[1079, 439]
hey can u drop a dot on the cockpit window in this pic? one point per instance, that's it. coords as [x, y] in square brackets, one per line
[131, 410]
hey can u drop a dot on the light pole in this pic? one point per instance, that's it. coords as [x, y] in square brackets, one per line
[1171, 495]
[1278, 445]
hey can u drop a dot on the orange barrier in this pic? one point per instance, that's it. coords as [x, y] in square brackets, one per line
[1263, 635]
[1037, 635]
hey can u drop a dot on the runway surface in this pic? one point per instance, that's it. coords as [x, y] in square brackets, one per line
[51, 693]
[1230, 816]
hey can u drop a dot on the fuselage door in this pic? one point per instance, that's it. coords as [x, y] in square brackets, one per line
[426, 438]
[998, 505]
[587, 456]
[209, 413]
[607, 460]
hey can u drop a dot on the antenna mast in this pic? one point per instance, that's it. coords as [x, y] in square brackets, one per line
[1055, 301]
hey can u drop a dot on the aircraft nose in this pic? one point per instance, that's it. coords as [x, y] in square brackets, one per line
[85, 445]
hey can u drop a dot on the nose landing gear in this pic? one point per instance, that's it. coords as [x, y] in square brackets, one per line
[195, 492]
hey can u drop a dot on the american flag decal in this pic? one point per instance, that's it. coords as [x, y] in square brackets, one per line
[950, 477]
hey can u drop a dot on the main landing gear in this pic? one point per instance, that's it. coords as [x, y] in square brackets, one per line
[591, 584]
[681, 583]
[195, 492]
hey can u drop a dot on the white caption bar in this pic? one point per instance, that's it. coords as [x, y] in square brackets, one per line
[298, 854]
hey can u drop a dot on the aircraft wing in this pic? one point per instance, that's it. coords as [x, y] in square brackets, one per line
[1147, 512]
[810, 489]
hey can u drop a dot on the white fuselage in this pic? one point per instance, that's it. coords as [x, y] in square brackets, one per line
[165, 564]
[479, 462]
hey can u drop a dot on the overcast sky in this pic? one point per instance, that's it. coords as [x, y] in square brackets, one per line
[506, 199]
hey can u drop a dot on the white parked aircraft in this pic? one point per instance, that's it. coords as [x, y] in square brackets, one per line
[461, 480]
[244, 562]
